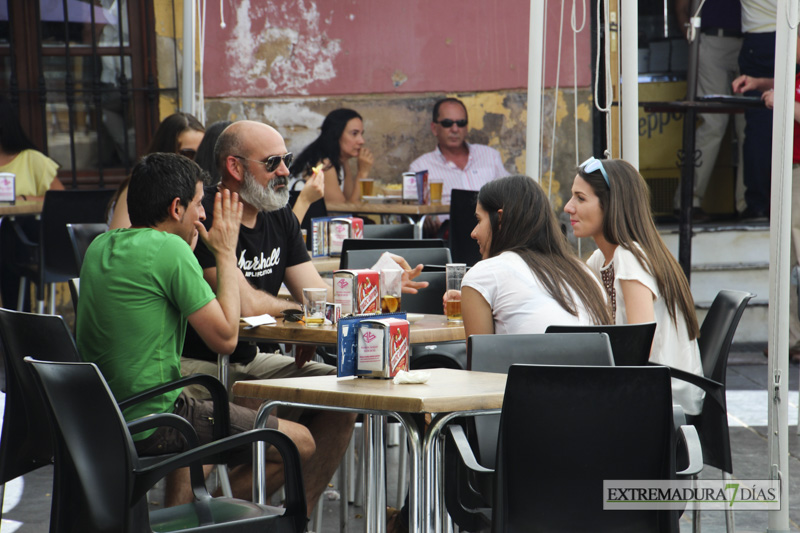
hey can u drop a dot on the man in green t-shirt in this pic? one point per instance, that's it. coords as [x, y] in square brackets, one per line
[139, 288]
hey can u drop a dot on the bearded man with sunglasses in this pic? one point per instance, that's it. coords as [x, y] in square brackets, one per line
[253, 162]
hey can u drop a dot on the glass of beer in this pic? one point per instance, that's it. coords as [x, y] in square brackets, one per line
[452, 307]
[314, 306]
[436, 191]
[366, 187]
[391, 289]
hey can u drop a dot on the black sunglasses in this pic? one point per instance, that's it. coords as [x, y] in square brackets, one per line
[292, 315]
[273, 162]
[188, 152]
[447, 123]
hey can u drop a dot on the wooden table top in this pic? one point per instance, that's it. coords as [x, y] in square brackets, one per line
[447, 390]
[326, 263]
[21, 207]
[430, 329]
[389, 208]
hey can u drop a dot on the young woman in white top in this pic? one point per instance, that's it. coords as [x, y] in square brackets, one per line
[529, 277]
[611, 204]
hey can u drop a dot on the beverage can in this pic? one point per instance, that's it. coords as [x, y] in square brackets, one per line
[383, 347]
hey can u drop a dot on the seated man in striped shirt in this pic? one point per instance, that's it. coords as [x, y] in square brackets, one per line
[459, 164]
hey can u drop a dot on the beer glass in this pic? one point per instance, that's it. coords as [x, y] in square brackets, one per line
[366, 187]
[391, 287]
[452, 308]
[314, 306]
[436, 191]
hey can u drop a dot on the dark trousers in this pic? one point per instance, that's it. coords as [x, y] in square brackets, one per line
[757, 59]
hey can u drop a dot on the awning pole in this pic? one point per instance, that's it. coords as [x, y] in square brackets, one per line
[780, 250]
[187, 76]
[535, 48]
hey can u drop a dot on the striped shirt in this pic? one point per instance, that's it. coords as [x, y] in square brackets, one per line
[483, 166]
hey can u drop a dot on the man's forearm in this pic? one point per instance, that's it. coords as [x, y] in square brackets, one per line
[256, 302]
[228, 292]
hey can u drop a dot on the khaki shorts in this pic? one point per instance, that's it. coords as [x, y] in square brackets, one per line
[263, 366]
[200, 414]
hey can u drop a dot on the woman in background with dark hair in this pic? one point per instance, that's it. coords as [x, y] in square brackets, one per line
[529, 277]
[611, 204]
[205, 151]
[341, 139]
[35, 172]
[179, 133]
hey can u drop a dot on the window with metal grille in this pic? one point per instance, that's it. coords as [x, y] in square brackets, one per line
[83, 75]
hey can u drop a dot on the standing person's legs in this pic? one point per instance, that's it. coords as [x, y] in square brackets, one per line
[757, 59]
[717, 67]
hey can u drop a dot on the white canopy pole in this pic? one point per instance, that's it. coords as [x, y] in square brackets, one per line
[629, 67]
[780, 231]
[535, 48]
[187, 78]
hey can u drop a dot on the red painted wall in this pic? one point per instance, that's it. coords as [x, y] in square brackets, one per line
[328, 47]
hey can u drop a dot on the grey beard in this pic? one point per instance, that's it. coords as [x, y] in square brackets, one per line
[263, 198]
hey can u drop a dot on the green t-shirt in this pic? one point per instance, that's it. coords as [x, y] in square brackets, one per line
[138, 286]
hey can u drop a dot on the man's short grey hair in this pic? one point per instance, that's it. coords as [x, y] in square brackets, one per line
[228, 144]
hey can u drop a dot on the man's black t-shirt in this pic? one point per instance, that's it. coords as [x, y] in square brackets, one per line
[263, 254]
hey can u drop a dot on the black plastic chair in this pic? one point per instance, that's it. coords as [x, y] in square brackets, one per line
[101, 485]
[81, 236]
[55, 259]
[414, 256]
[389, 231]
[468, 495]
[462, 221]
[565, 429]
[382, 245]
[716, 336]
[26, 439]
[630, 343]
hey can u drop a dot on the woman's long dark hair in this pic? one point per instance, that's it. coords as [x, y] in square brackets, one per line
[627, 219]
[326, 146]
[528, 227]
[165, 140]
[205, 152]
[12, 137]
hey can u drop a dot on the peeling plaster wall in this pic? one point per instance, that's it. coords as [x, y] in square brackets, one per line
[398, 127]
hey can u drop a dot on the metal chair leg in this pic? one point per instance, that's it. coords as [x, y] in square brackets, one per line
[402, 466]
[316, 516]
[729, 525]
[696, 521]
[2, 497]
[23, 285]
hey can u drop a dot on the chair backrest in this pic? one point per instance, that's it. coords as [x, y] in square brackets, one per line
[429, 299]
[717, 330]
[414, 256]
[630, 343]
[315, 210]
[93, 438]
[26, 442]
[81, 236]
[462, 221]
[565, 430]
[384, 244]
[389, 231]
[61, 208]
[496, 353]
[716, 335]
